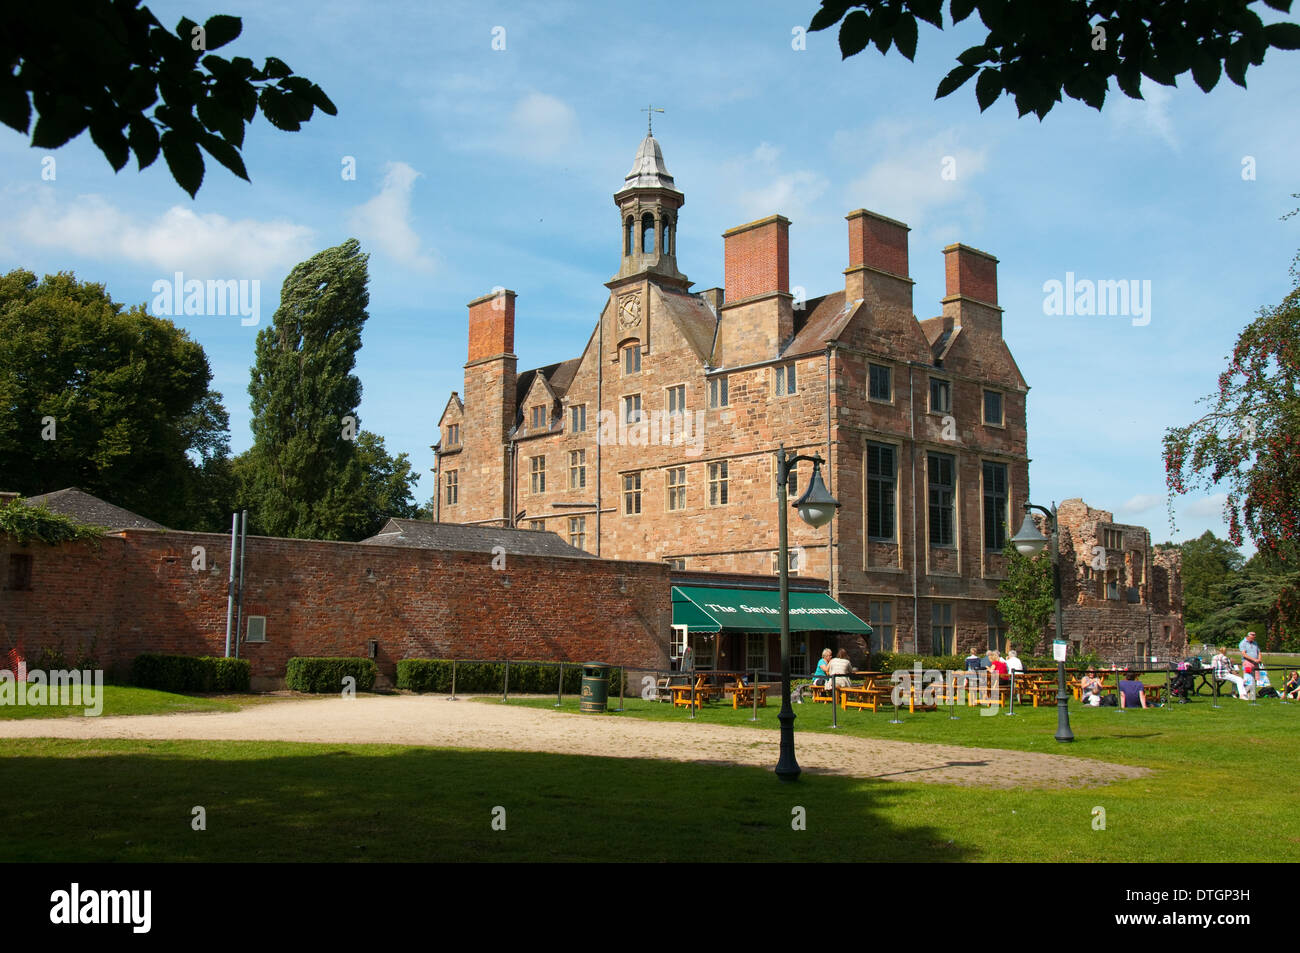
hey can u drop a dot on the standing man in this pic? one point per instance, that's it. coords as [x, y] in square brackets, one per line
[1249, 660]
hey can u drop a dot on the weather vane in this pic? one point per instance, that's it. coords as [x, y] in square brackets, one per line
[650, 111]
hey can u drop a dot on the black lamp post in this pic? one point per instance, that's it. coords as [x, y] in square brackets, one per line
[1030, 542]
[816, 508]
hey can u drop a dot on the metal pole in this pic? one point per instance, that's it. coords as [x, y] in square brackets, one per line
[1063, 732]
[239, 608]
[505, 691]
[230, 585]
[692, 701]
[787, 768]
[453, 682]
[835, 700]
[753, 693]
[1216, 692]
[559, 687]
[1011, 691]
[952, 695]
[621, 679]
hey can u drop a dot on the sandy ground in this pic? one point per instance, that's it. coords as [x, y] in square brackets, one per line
[435, 721]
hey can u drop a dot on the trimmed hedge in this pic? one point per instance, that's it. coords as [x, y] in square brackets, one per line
[185, 673]
[526, 678]
[325, 675]
[892, 661]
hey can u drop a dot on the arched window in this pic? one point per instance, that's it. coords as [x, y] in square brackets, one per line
[647, 233]
[669, 238]
[627, 236]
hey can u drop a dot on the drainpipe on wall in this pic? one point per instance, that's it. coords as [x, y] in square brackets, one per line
[911, 424]
[830, 527]
[600, 404]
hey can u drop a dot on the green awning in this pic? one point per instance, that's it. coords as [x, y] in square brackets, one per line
[714, 609]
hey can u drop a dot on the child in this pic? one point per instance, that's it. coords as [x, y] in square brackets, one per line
[1291, 689]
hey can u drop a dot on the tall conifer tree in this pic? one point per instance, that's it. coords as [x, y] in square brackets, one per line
[304, 476]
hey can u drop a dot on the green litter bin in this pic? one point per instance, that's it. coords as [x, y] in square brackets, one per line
[595, 686]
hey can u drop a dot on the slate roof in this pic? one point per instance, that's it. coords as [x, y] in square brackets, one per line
[694, 318]
[422, 534]
[91, 510]
[557, 376]
[827, 317]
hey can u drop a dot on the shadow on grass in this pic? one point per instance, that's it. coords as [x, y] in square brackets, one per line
[134, 801]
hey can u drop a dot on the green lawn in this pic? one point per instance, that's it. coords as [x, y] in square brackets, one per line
[132, 800]
[125, 700]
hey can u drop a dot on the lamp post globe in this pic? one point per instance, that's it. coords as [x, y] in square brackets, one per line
[1029, 541]
[816, 506]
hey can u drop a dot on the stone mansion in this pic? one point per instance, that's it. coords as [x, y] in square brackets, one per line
[657, 441]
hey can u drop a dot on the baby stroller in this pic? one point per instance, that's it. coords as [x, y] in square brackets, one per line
[1182, 682]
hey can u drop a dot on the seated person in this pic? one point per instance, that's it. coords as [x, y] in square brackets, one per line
[1223, 671]
[838, 669]
[1291, 688]
[1132, 693]
[819, 676]
[1090, 688]
[973, 662]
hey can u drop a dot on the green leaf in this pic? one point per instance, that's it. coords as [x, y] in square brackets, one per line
[217, 116]
[988, 87]
[828, 15]
[323, 102]
[276, 68]
[931, 11]
[224, 153]
[184, 160]
[905, 36]
[221, 29]
[1283, 5]
[66, 121]
[1206, 70]
[110, 141]
[1283, 36]
[15, 106]
[973, 56]
[961, 9]
[954, 80]
[1235, 63]
[279, 109]
[143, 139]
[855, 34]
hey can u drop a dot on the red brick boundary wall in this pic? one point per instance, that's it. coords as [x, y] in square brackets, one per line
[139, 591]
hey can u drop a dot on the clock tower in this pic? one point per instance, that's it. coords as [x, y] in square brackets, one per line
[648, 204]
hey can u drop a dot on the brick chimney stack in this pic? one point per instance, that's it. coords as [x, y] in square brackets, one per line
[878, 269]
[492, 325]
[490, 375]
[758, 309]
[971, 293]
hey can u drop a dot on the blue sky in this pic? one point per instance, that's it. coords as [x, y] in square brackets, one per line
[478, 167]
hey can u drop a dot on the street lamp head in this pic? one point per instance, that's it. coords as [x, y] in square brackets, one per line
[1029, 541]
[816, 506]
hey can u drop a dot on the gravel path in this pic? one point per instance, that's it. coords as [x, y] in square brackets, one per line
[435, 721]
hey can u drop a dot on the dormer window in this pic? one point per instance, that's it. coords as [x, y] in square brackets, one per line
[539, 417]
[453, 435]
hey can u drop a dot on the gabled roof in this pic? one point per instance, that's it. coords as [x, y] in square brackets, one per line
[558, 377]
[452, 401]
[91, 510]
[454, 537]
[693, 317]
[827, 317]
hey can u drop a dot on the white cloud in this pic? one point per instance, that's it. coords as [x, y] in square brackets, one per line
[385, 220]
[1142, 503]
[1207, 506]
[179, 239]
[774, 191]
[542, 127]
[1149, 114]
[914, 173]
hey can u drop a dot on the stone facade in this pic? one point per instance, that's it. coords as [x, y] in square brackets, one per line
[657, 442]
[1123, 598]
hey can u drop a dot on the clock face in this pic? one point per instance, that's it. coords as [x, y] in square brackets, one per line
[629, 311]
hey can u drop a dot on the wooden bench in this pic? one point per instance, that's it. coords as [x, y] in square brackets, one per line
[868, 696]
[744, 695]
[682, 695]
